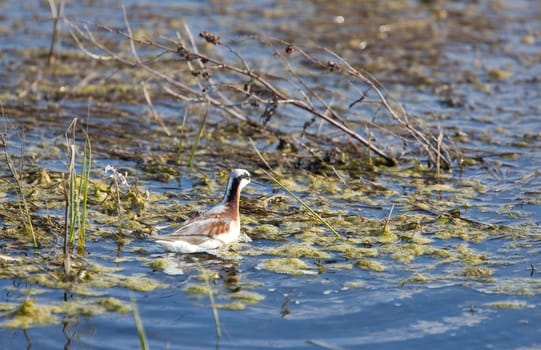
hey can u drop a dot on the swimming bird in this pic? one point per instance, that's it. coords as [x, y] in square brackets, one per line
[214, 228]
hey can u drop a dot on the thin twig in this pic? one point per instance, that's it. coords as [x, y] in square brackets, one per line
[297, 198]
[56, 14]
[130, 35]
[438, 154]
[281, 96]
[153, 111]
[270, 93]
[388, 219]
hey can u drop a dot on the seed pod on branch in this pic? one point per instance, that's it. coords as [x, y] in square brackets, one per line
[210, 37]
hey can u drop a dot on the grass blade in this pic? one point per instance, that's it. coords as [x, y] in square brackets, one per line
[297, 198]
[20, 190]
[19, 184]
[303, 203]
[72, 183]
[212, 302]
[139, 324]
[83, 192]
[198, 137]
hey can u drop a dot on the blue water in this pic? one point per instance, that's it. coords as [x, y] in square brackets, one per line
[320, 310]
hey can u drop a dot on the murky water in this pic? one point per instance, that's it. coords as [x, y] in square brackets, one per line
[433, 279]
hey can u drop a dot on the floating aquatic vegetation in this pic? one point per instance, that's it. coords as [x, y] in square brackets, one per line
[476, 272]
[511, 304]
[32, 314]
[512, 286]
[354, 284]
[114, 305]
[290, 266]
[351, 251]
[159, 264]
[196, 289]
[298, 250]
[139, 283]
[230, 295]
[417, 278]
[247, 297]
[427, 223]
[232, 306]
[371, 265]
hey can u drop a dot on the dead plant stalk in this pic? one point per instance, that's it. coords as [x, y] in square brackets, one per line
[297, 198]
[271, 95]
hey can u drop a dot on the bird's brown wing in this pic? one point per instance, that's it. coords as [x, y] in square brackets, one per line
[199, 230]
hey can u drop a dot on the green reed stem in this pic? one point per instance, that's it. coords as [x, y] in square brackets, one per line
[303, 203]
[20, 190]
[66, 247]
[198, 137]
[213, 305]
[139, 324]
[77, 198]
[72, 197]
[83, 191]
[297, 198]
[118, 207]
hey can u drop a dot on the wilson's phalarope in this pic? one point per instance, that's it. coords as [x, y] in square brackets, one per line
[214, 228]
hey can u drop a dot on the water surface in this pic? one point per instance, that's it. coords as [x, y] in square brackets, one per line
[434, 280]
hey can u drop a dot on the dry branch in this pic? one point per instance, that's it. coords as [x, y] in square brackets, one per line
[231, 85]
